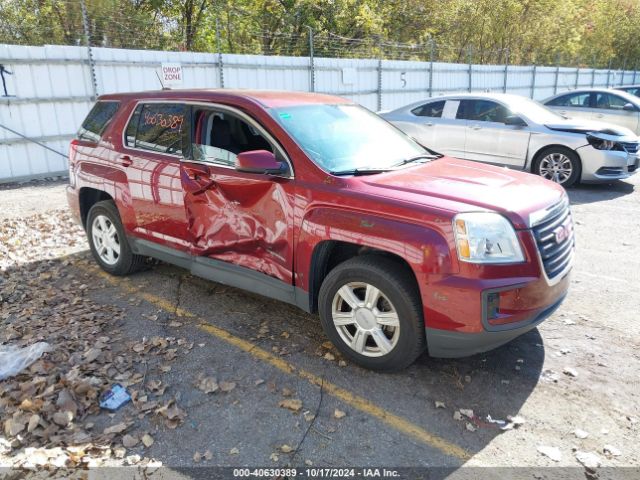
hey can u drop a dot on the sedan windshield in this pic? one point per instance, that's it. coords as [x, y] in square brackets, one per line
[347, 138]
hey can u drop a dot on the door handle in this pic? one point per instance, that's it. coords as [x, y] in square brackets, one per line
[599, 115]
[430, 124]
[563, 112]
[125, 160]
[476, 127]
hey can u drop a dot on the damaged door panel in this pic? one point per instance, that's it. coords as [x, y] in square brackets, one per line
[237, 217]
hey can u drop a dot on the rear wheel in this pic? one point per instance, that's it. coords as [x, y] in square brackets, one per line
[371, 311]
[108, 241]
[558, 164]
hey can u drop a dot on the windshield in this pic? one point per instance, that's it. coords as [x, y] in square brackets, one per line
[534, 111]
[341, 138]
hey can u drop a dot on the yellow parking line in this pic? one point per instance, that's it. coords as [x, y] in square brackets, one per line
[355, 401]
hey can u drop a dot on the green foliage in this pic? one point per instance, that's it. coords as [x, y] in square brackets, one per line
[576, 32]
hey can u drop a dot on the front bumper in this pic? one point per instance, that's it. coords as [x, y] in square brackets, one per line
[605, 165]
[447, 344]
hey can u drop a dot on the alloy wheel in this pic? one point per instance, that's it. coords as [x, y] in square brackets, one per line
[105, 239]
[556, 167]
[365, 319]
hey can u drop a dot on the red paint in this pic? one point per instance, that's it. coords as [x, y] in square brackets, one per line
[273, 224]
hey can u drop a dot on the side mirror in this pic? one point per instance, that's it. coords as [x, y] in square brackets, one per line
[629, 107]
[515, 120]
[259, 161]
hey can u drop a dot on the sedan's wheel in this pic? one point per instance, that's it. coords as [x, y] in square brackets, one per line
[108, 241]
[371, 310]
[561, 166]
[365, 319]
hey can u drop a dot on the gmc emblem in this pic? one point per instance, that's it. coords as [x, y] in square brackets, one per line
[562, 232]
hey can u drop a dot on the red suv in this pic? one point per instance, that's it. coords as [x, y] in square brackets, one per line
[315, 201]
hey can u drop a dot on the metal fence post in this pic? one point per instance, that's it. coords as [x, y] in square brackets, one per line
[608, 73]
[577, 76]
[312, 66]
[624, 70]
[533, 80]
[219, 48]
[555, 82]
[431, 58]
[635, 68]
[506, 70]
[470, 59]
[87, 36]
[379, 90]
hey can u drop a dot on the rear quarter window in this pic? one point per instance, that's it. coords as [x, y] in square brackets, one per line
[158, 127]
[97, 120]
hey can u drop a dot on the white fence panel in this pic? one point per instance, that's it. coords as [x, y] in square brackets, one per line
[51, 88]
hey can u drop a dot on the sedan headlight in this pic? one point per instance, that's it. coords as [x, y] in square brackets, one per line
[602, 144]
[485, 237]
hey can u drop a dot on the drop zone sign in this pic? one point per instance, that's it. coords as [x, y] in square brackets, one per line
[171, 75]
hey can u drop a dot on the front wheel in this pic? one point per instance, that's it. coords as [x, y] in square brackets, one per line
[371, 310]
[558, 164]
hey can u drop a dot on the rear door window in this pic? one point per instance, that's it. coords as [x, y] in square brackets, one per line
[97, 120]
[433, 110]
[159, 127]
[482, 111]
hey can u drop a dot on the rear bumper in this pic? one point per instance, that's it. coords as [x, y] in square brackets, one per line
[448, 344]
[73, 200]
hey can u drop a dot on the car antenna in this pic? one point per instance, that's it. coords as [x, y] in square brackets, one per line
[160, 80]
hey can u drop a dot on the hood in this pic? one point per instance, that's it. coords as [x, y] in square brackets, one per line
[575, 125]
[461, 185]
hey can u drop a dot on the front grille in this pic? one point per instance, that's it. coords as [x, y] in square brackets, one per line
[631, 147]
[555, 240]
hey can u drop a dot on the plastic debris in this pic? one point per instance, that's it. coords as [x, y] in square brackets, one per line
[467, 412]
[588, 459]
[580, 433]
[14, 359]
[611, 450]
[470, 427]
[440, 404]
[552, 452]
[510, 423]
[114, 398]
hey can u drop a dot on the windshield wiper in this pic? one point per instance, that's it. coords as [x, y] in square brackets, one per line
[359, 171]
[422, 156]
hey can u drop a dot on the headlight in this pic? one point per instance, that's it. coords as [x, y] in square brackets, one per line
[601, 144]
[486, 238]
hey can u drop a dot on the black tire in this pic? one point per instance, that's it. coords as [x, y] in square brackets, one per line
[576, 165]
[396, 282]
[127, 262]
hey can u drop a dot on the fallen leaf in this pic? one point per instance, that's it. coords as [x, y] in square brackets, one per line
[147, 440]
[129, 441]
[208, 385]
[329, 356]
[62, 418]
[197, 457]
[33, 422]
[234, 451]
[339, 414]
[208, 455]
[611, 450]
[227, 386]
[292, 404]
[440, 404]
[119, 428]
[286, 449]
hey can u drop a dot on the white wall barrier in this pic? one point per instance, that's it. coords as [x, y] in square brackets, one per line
[50, 88]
